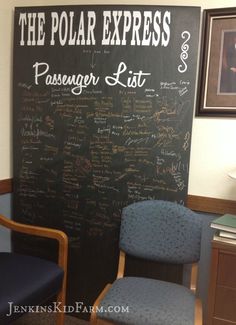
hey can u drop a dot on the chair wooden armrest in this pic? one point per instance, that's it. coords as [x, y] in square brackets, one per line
[120, 273]
[121, 265]
[58, 235]
[93, 318]
[62, 239]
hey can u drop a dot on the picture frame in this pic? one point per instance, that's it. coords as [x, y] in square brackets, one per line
[216, 95]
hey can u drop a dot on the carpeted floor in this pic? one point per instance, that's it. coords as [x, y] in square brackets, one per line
[47, 319]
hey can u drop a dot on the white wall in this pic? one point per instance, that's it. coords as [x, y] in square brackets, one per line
[213, 152]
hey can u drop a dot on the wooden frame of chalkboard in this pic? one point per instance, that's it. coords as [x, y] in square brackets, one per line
[217, 70]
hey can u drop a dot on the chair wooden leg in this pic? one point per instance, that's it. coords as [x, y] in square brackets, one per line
[198, 312]
[60, 317]
[94, 320]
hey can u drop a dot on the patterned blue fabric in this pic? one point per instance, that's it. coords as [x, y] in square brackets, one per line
[161, 231]
[149, 302]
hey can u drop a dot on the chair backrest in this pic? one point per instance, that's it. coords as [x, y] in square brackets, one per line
[161, 231]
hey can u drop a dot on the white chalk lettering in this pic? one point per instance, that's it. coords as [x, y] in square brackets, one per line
[79, 81]
[141, 28]
[119, 28]
[32, 27]
[135, 79]
[63, 29]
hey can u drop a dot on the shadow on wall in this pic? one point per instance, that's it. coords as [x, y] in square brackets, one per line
[5, 209]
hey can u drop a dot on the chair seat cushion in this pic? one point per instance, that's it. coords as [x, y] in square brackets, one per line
[26, 281]
[149, 302]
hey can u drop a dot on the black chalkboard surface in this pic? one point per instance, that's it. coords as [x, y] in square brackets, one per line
[103, 104]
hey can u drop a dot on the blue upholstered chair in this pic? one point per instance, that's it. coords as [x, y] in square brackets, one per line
[31, 281]
[159, 231]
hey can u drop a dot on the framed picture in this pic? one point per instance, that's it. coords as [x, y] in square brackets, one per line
[217, 74]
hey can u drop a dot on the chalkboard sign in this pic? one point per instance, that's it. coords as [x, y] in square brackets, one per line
[103, 105]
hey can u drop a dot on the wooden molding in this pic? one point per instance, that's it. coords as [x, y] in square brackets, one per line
[211, 205]
[194, 202]
[6, 186]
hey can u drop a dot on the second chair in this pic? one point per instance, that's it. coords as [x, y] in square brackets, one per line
[159, 231]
